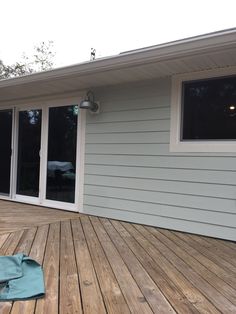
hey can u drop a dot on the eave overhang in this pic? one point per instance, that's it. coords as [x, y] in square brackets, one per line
[210, 51]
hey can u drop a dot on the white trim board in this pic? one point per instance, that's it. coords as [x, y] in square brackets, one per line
[176, 145]
[41, 200]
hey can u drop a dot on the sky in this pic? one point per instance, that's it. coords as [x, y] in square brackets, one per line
[111, 27]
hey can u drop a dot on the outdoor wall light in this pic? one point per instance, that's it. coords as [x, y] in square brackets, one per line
[89, 103]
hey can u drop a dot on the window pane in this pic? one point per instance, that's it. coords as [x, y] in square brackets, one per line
[209, 109]
[5, 156]
[61, 166]
[28, 152]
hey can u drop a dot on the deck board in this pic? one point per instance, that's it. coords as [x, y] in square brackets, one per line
[90, 290]
[175, 271]
[69, 298]
[179, 259]
[150, 290]
[112, 294]
[133, 295]
[24, 245]
[198, 244]
[99, 265]
[175, 297]
[202, 275]
[205, 261]
[18, 216]
[51, 272]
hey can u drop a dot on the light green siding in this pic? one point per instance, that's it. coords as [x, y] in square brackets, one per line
[131, 175]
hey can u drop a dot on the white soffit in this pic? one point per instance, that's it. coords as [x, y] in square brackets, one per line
[200, 53]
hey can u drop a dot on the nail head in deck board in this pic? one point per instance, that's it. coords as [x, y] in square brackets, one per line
[153, 295]
[134, 297]
[90, 291]
[113, 297]
[69, 300]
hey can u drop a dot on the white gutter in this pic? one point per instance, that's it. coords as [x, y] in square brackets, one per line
[212, 42]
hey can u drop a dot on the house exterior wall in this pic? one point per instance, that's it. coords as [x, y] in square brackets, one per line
[131, 175]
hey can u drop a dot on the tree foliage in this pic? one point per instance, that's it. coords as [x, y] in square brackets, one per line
[41, 60]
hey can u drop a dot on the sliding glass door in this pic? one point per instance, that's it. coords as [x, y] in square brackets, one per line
[61, 156]
[38, 156]
[28, 161]
[6, 117]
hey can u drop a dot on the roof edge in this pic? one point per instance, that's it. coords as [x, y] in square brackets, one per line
[180, 48]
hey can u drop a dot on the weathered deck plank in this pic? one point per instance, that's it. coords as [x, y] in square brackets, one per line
[91, 295]
[205, 249]
[172, 266]
[202, 273]
[18, 216]
[112, 293]
[49, 304]
[69, 299]
[36, 252]
[133, 295]
[177, 299]
[216, 298]
[208, 263]
[149, 289]
[98, 265]
[8, 248]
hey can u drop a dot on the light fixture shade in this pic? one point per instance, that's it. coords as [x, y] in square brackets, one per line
[85, 104]
[89, 103]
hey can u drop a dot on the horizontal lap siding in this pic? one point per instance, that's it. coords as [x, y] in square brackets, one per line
[131, 175]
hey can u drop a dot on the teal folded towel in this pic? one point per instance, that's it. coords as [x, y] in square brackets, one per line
[21, 278]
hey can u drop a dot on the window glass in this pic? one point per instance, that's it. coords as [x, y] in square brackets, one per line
[5, 156]
[209, 109]
[61, 164]
[29, 140]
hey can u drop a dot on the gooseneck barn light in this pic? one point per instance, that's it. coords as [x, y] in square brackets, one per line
[89, 103]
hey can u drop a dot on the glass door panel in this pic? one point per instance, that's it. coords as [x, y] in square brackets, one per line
[61, 159]
[5, 155]
[29, 139]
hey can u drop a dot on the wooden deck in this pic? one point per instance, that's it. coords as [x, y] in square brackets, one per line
[97, 265]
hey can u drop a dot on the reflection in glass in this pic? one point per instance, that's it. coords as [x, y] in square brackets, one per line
[28, 152]
[5, 155]
[62, 138]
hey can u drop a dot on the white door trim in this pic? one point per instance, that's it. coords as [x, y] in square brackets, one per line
[41, 200]
[20, 197]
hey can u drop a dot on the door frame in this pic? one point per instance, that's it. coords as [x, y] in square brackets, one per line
[2, 108]
[80, 151]
[15, 196]
[80, 143]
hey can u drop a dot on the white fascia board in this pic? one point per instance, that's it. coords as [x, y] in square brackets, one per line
[188, 47]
